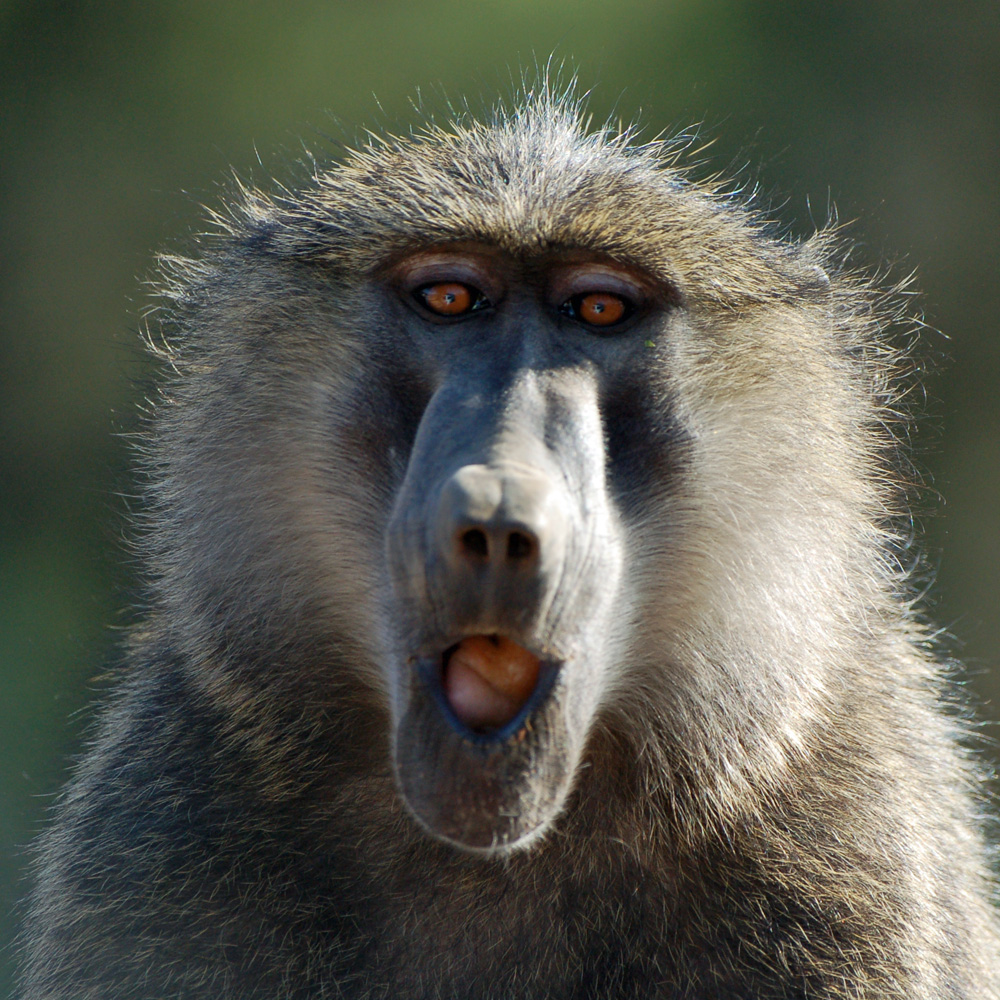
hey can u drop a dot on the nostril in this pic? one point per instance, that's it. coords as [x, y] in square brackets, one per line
[519, 546]
[474, 543]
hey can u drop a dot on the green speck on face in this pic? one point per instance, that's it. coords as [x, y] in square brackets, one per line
[649, 343]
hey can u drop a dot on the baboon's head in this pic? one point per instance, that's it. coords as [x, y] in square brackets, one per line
[517, 430]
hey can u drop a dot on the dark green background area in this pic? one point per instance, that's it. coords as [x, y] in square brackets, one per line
[120, 120]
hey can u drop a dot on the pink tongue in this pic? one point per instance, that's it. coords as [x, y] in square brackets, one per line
[488, 679]
[474, 701]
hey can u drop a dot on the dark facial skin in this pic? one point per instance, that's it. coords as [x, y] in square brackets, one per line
[504, 547]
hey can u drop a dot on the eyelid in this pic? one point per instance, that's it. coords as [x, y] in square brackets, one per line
[436, 269]
[585, 280]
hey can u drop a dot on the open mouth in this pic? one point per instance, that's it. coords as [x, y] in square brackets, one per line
[481, 745]
[487, 681]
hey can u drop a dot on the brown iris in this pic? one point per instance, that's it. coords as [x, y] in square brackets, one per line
[450, 298]
[597, 308]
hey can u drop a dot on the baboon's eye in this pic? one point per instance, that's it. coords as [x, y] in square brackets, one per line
[450, 298]
[603, 309]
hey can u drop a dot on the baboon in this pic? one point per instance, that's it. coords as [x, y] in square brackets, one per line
[528, 609]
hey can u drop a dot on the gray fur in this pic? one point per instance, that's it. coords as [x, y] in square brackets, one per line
[745, 782]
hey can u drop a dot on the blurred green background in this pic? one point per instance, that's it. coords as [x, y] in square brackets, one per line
[120, 119]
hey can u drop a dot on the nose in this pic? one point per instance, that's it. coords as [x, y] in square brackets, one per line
[503, 520]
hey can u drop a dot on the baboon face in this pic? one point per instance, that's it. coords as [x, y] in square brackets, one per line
[516, 396]
[504, 549]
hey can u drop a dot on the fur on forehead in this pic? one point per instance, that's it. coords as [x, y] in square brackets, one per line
[531, 180]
